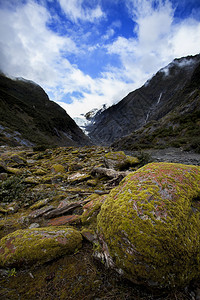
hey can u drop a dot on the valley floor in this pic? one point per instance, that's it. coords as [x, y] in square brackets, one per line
[64, 176]
[174, 155]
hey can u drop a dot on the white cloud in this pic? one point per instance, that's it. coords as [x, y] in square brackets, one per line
[159, 39]
[75, 11]
[109, 33]
[29, 49]
[186, 38]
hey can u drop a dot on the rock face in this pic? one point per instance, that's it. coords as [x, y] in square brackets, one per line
[149, 225]
[38, 245]
[28, 117]
[170, 88]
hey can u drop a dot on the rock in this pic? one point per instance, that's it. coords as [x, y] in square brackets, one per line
[63, 203]
[58, 168]
[63, 220]
[39, 204]
[78, 177]
[13, 207]
[119, 161]
[34, 225]
[89, 236]
[14, 171]
[32, 180]
[39, 172]
[37, 245]
[149, 226]
[92, 182]
[65, 208]
[18, 160]
[3, 210]
[92, 208]
[40, 212]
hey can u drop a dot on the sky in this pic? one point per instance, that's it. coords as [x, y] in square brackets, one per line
[86, 53]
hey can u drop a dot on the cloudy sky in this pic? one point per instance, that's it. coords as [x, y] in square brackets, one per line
[85, 53]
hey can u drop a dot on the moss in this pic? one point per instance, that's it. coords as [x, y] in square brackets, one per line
[115, 155]
[38, 245]
[14, 171]
[150, 227]
[58, 168]
[39, 172]
[119, 161]
[39, 204]
[91, 209]
[12, 189]
[92, 182]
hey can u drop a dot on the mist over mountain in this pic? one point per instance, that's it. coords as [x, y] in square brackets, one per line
[28, 117]
[173, 92]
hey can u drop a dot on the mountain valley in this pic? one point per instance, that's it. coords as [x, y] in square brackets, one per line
[112, 215]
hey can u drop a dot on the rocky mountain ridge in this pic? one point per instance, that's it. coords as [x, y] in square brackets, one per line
[28, 117]
[172, 87]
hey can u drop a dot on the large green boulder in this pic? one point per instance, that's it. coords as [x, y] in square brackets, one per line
[149, 226]
[38, 245]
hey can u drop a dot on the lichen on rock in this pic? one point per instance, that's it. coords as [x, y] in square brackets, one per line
[38, 245]
[119, 160]
[149, 225]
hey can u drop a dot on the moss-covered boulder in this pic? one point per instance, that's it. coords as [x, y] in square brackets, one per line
[38, 245]
[119, 160]
[149, 226]
[58, 168]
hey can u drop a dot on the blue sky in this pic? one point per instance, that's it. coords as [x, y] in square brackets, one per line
[86, 53]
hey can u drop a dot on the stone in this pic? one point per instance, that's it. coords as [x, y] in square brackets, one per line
[14, 171]
[63, 203]
[39, 172]
[63, 220]
[37, 245]
[65, 208]
[58, 168]
[40, 212]
[149, 226]
[92, 208]
[78, 177]
[3, 210]
[18, 160]
[32, 180]
[119, 161]
[39, 204]
[34, 225]
[89, 236]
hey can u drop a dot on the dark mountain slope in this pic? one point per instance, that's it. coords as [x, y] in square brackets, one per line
[179, 128]
[154, 100]
[26, 113]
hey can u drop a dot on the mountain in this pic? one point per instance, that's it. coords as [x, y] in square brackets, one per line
[28, 117]
[85, 120]
[172, 93]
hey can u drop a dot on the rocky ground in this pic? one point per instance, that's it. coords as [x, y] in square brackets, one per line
[53, 191]
[174, 155]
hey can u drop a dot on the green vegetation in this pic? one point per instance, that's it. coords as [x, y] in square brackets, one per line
[12, 189]
[150, 229]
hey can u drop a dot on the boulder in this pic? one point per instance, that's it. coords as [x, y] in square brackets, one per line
[37, 245]
[58, 168]
[119, 161]
[149, 226]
